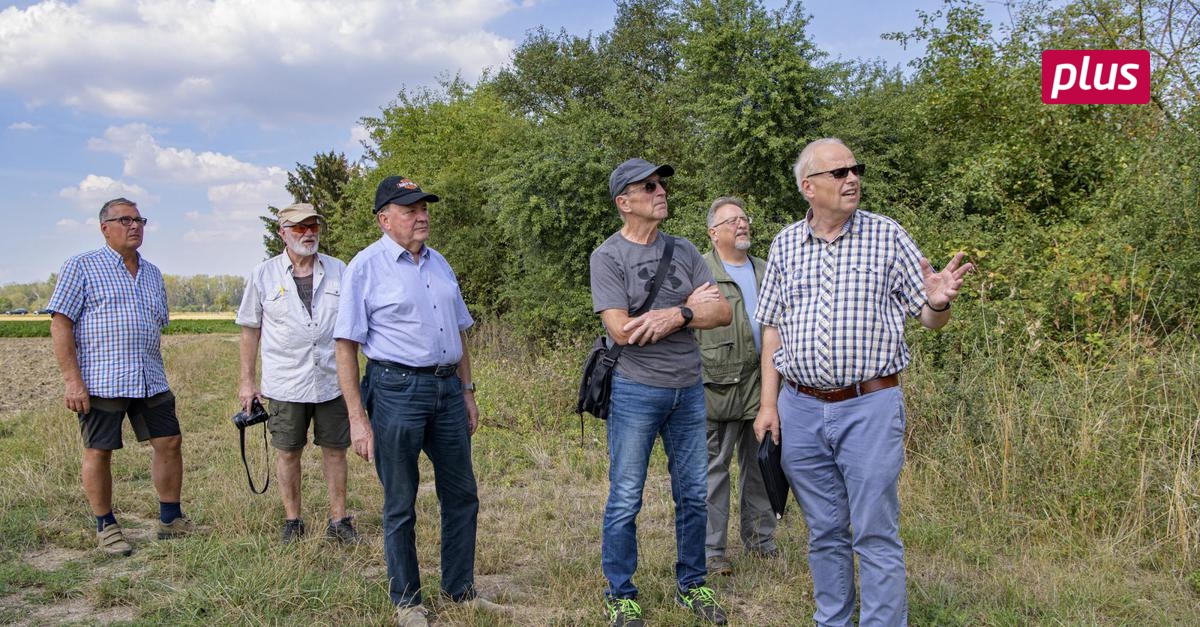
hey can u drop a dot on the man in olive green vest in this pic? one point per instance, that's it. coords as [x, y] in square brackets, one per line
[731, 361]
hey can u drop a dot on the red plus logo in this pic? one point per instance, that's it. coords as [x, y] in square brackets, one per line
[1095, 76]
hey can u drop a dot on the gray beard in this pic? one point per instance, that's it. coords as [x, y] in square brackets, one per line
[302, 250]
[742, 245]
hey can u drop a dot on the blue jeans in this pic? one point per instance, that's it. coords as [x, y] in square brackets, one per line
[411, 413]
[639, 414]
[843, 461]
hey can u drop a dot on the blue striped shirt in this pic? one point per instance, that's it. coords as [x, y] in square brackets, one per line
[400, 311]
[840, 306]
[118, 321]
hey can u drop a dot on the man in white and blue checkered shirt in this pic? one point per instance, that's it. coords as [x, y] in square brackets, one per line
[109, 307]
[837, 290]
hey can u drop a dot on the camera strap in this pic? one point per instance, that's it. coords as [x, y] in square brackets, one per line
[246, 464]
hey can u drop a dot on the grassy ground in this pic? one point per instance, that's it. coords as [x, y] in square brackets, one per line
[1062, 498]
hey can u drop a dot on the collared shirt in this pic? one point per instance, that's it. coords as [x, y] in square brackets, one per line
[402, 309]
[298, 363]
[840, 305]
[118, 320]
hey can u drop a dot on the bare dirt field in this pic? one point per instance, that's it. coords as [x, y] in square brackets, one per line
[28, 375]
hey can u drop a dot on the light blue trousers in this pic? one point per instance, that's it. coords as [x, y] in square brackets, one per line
[843, 461]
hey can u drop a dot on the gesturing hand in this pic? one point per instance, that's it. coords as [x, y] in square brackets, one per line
[942, 287]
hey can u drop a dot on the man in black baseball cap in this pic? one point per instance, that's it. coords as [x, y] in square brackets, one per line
[401, 303]
[658, 390]
[632, 171]
[400, 190]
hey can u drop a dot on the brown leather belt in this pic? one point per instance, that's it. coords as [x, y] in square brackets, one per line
[850, 391]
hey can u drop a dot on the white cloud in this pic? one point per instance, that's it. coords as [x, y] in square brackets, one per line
[359, 136]
[238, 192]
[145, 158]
[93, 191]
[249, 199]
[23, 126]
[270, 59]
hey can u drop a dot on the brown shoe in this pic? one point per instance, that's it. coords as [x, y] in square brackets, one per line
[718, 565]
[112, 540]
[178, 528]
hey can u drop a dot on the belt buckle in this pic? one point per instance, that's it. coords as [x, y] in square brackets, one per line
[445, 370]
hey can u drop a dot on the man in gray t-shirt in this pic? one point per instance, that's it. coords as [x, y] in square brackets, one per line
[656, 389]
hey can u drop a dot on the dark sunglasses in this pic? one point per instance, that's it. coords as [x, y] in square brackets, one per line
[841, 173]
[648, 186]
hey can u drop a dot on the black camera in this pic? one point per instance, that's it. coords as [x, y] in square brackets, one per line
[257, 414]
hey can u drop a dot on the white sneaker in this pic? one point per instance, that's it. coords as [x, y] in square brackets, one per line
[411, 616]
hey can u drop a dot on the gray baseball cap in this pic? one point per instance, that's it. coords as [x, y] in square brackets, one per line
[632, 171]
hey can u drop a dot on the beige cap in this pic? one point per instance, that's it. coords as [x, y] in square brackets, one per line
[297, 212]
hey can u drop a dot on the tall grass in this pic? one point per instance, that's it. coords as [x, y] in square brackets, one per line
[1032, 494]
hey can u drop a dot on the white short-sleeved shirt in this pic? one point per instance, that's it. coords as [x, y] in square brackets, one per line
[298, 363]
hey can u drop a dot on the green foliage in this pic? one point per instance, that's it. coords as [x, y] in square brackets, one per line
[451, 142]
[1081, 219]
[321, 185]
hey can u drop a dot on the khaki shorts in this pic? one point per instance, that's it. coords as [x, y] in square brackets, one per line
[288, 423]
[152, 417]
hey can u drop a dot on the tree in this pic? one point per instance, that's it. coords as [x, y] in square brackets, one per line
[754, 100]
[322, 186]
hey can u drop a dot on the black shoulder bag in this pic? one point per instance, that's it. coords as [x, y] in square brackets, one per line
[595, 387]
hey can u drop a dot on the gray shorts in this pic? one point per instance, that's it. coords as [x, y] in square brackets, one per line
[152, 417]
[288, 423]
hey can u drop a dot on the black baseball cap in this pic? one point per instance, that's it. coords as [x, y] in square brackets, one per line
[401, 191]
[632, 171]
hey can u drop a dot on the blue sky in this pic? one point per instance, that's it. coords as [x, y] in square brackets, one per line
[197, 109]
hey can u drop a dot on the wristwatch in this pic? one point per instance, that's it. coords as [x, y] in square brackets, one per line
[686, 312]
[469, 387]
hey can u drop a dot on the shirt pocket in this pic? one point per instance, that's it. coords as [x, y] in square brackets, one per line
[866, 283]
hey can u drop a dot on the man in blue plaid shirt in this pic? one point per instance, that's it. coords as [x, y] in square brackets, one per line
[837, 290]
[109, 307]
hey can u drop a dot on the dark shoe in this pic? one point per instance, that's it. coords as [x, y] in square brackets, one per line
[342, 531]
[178, 528]
[701, 602]
[292, 530]
[112, 540]
[719, 565]
[769, 554]
[623, 613]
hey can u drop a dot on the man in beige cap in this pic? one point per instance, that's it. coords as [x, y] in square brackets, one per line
[289, 308]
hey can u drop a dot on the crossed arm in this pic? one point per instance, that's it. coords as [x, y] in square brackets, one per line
[709, 310]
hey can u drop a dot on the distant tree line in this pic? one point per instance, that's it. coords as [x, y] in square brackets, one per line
[1083, 219]
[184, 293]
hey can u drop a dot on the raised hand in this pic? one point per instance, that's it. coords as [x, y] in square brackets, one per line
[942, 287]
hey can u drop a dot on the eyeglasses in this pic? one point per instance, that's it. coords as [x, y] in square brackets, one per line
[301, 229]
[127, 221]
[841, 173]
[648, 186]
[734, 220]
